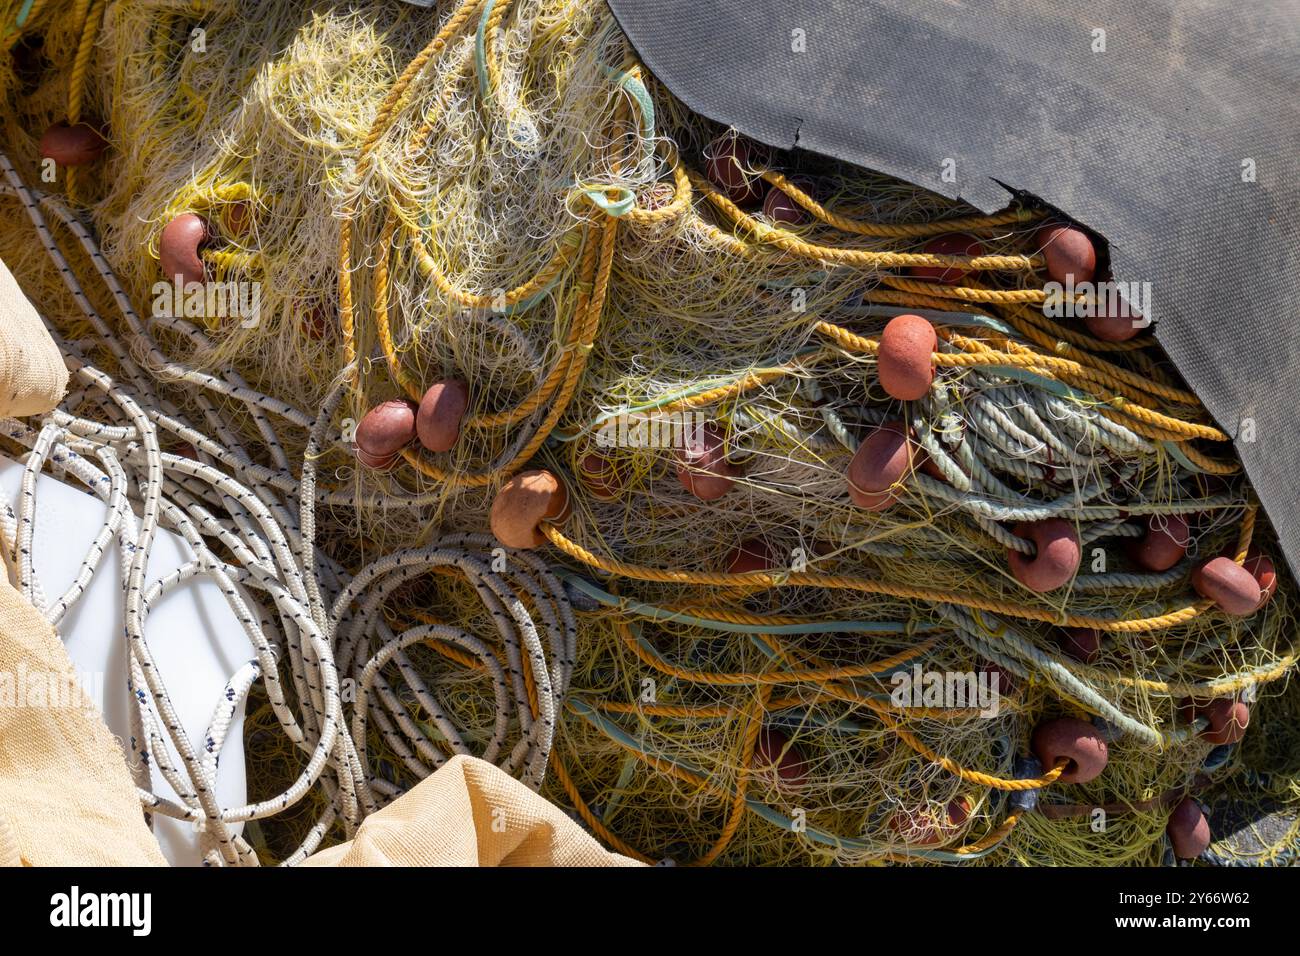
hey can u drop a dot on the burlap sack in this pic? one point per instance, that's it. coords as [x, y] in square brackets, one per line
[32, 374]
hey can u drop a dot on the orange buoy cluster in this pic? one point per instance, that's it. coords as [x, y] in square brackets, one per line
[72, 144]
[731, 163]
[1071, 259]
[393, 425]
[1076, 743]
[702, 468]
[524, 503]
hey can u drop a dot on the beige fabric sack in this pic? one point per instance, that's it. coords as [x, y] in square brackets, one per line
[470, 813]
[66, 794]
[32, 375]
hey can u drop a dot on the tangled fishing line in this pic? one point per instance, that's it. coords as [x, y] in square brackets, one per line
[492, 255]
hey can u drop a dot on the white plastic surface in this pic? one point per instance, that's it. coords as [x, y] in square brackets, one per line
[196, 640]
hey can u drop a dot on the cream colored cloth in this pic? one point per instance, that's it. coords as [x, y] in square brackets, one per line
[470, 813]
[32, 374]
[66, 795]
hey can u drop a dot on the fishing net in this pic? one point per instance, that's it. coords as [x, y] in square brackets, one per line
[702, 654]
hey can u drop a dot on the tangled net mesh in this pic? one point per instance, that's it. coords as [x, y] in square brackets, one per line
[501, 194]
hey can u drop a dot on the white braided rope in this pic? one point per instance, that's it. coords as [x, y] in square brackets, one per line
[251, 530]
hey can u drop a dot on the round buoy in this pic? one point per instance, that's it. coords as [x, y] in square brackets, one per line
[315, 322]
[1229, 585]
[703, 469]
[781, 210]
[1081, 643]
[1163, 545]
[1000, 680]
[728, 164]
[1056, 559]
[1072, 740]
[237, 217]
[1261, 568]
[437, 422]
[776, 756]
[881, 462]
[751, 554]
[377, 462]
[950, 244]
[72, 145]
[1228, 718]
[384, 431]
[179, 245]
[602, 477]
[1068, 251]
[903, 362]
[1188, 830]
[1113, 321]
[923, 826]
[523, 503]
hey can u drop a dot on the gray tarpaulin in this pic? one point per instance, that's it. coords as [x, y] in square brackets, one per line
[1179, 142]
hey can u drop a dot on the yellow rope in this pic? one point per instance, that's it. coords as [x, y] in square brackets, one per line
[90, 12]
[748, 746]
[608, 836]
[845, 582]
[789, 242]
[1140, 419]
[902, 230]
